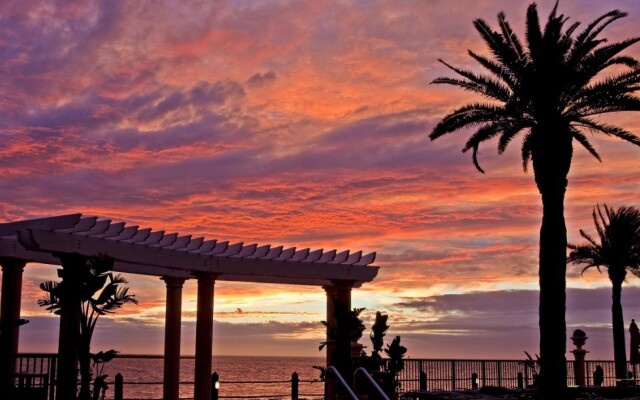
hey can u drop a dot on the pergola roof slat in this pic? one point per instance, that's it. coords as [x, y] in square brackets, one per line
[367, 259]
[340, 257]
[140, 236]
[143, 251]
[327, 256]
[59, 222]
[313, 256]
[286, 254]
[113, 230]
[98, 228]
[153, 238]
[274, 252]
[193, 244]
[261, 251]
[84, 225]
[219, 248]
[167, 240]
[300, 255]
[247, 251]
[232, 250]
[353, 258]
[124, 234]
[205, 247]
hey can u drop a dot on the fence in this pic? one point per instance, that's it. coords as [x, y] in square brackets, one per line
[450, 375]
[36, 372]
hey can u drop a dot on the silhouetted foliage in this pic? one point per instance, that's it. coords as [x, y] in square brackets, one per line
[96, 291]
[617, 248]
[546, 90]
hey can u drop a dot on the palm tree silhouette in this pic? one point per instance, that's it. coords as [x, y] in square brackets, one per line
[91, 290]
[546, 90]
[618, 251]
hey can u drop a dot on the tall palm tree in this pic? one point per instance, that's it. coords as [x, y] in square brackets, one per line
[618, 251]
[547, 91]
[90, 290]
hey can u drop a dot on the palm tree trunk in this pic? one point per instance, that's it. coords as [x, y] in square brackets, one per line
[551, 163]
[619, 350]
[553, 244]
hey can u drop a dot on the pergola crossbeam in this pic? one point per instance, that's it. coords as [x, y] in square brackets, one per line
[148, 252]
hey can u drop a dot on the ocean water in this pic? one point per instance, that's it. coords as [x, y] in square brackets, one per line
[138, 372]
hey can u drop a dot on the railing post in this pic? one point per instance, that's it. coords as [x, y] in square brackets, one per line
[520, 381]
[499, 373]
[484, 374]
[118, 388]
[474, 381]
[423, 380]
[453, 375]
[215, 385]
[294, 386]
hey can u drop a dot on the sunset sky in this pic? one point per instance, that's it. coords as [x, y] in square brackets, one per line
[296, 123]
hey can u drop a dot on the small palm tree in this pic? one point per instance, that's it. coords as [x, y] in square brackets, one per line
[92, 290]
[547, 91]
[619, 252]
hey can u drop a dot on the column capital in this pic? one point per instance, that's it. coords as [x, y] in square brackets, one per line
[12, 264]
[342, 284]
[205, 276]
[172, 281]
[329, 289]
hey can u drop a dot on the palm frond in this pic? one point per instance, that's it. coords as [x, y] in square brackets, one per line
[510, 36]
[469, 115]
[477, 83]
[533, 32]
[610, 130]
[498, 45]
[499, 70]
[508, 134]
[527, 146]
[579, 136]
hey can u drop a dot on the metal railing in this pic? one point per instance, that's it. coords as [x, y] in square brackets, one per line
[451, 375]
[35, 371]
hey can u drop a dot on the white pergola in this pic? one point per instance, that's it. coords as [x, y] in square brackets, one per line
[174, 258]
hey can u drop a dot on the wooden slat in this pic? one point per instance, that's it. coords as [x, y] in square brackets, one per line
[313, 256]
[286, 254]
[353, 258]
[246, 251]
[232, 250]
[327, 256]
[153, 238]
[260, 251]
[167, 240]
[126, 233]
[366, 259]
[141, 235]
[114, 230]
[100, 227]
[340, 257]
[274, 252]
[83, 225]
[220, 248]
[194, 244]
[59, 222]
[300, 255]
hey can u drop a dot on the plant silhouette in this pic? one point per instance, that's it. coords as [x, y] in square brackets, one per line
[546, 89]
[618, 250]
[91, 290]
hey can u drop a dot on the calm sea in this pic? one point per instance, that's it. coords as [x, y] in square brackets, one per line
[231, 369]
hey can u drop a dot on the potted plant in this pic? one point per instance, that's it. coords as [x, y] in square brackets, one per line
[396, 352]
